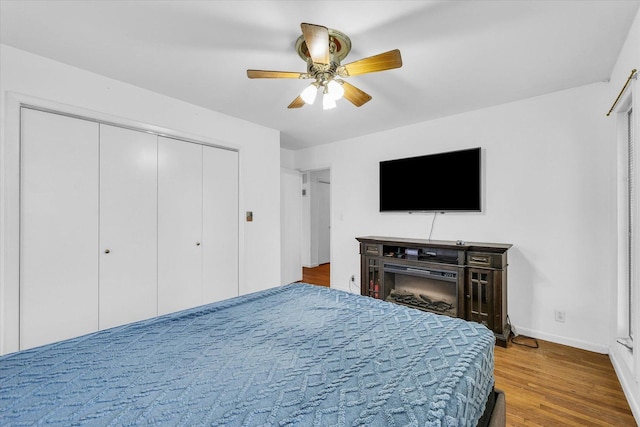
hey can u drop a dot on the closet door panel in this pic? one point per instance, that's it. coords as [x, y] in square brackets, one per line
[58, 228]
[128, 226]
[220, 224]
[179, 225]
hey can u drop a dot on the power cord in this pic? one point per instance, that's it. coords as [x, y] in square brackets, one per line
[350, 289]
[525, 341]
[521, 339]
[433, 221]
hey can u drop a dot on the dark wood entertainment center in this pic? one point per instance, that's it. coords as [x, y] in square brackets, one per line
[460, 279]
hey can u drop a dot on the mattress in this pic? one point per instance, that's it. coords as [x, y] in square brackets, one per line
[293, 355]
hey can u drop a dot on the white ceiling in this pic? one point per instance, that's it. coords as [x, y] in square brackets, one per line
[457, 55]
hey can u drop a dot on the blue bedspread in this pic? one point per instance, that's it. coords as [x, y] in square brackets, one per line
[294, 355]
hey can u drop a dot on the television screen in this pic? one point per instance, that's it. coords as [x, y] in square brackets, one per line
[442, 182]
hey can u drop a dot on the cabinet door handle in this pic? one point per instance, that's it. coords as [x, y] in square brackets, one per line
[479, 259]
[106, 251]
[197, 243]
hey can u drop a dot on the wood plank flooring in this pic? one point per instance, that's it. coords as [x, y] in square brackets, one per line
[318, 275]
[557, 385]
[553, 385]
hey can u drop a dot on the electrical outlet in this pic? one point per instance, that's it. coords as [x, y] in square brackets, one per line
[560, 316]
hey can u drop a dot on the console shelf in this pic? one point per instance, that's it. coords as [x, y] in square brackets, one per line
[471, 277]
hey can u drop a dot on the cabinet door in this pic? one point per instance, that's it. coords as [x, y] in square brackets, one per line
[372, 285]
[128, 226]
[220, 224]
[479, 295]
[179, 225]
[58, 228]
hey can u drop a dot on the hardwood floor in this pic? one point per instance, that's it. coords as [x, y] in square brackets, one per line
[553, 385]
[318, 275]
[557, 385]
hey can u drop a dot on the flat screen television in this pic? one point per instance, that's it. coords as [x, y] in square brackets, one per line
[442, 182]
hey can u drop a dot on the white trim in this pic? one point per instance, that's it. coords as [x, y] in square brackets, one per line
[290, 255]
[619, 326]
[58, 108]
[624, 374]
[10, 200]
[620, 323]
[307, 186]
[626, 364]
[10, 228]
[635, 95]
[584, 345]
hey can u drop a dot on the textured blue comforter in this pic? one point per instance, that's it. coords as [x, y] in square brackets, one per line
[294, 355]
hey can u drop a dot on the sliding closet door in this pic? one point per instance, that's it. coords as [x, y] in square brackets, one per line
[220, 224]
[179, 225]
[58, 228]
[128, 226]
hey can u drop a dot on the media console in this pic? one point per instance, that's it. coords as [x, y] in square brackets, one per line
[460, 279]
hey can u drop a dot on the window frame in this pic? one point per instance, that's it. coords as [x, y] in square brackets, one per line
[627, 300]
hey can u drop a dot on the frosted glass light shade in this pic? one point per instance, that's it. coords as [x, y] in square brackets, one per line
[328, 102]
[335, 89]
[308, 95]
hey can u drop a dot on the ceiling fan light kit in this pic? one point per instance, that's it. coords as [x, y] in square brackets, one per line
[308, 95]
[328, 100]
[335, 89]
[323, 49]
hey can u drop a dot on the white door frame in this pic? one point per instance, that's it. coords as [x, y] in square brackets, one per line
[306, 216]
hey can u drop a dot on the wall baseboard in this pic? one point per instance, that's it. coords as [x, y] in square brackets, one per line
[584, 345]
[627, 382]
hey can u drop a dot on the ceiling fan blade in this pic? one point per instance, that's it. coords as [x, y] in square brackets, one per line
[262, 74]
[354, 95]
[317, 39]
[380, 62]
[296, 103]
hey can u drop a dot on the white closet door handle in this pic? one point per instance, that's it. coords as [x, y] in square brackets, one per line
[106, 251]
[197, 243]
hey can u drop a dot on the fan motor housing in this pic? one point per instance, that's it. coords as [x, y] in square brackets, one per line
[339, 46]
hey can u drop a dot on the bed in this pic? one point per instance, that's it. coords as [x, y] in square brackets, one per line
[293, 355]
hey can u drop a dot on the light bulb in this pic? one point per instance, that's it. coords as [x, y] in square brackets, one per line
[328, 102]
[335, 89]
[308, 95]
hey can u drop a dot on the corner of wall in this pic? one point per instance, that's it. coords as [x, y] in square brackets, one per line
[630, 387]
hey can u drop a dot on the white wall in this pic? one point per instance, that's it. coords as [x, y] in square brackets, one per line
[291, 225]
[319, 216]
[287, 158]
[627, 366]
[549, 168]
[35, 76]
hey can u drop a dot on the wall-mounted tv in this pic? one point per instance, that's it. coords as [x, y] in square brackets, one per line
[442, 182]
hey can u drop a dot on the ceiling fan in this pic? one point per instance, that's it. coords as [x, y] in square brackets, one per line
[322, 49]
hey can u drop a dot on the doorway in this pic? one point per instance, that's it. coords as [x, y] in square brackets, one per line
[317, 224]
[323, 191]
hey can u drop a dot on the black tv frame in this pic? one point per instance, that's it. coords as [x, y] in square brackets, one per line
[448, 181]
